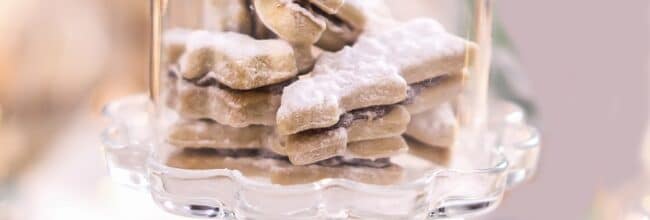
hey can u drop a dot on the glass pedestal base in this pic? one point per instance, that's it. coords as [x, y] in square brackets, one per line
[473, 183]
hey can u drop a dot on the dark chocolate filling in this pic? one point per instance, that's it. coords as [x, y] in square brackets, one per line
[207, 81]
[379, 111]
[266, 154]
[171, 73]
[303, 3]
[346, 119]
[341, 161]
[336, 20]
[416, 88]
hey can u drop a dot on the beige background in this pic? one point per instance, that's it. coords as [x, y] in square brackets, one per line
[587, 60]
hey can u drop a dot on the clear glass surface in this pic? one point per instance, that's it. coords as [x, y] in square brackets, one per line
[469, 186]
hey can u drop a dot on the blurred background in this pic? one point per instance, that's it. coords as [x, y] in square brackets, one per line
[580, 66]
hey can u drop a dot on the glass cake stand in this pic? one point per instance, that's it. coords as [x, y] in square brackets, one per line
[472, 184]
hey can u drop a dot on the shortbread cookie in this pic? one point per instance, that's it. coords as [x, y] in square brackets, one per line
[337, 35]
[280, 171]
[292, 175]
[437, 127]
[203, 159]
[377, 148]
[334, 144]
[237, 61]
[375, 122]
[209, 134]
[361, 14]
[319, 99]
[443, 54]
[353, 18]
[223, 105]
[440, 155]
[331, 24]
[305, 58]
[328, 6]
[307, 149]
[362, 126]
[434, 92]
[421, 49]
[290, 21]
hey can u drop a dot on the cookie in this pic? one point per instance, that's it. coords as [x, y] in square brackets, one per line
[365, 124]
[331, 24]
[237, 61]
[280, 171]
[345, 83]
[429, 94]
[225, 106]
[328, 6]
[437, 127]
[360, 14]
[337, 35]
[305, 58]
[312, 151]
[354, 138]
[290, 20]
[353, 18]
[292, 175]
[209, 134]
[204, 159]
[377, 148]
[421, 49]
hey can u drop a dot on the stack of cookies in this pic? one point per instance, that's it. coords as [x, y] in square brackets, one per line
[302, 90]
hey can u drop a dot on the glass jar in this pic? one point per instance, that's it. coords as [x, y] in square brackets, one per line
[294, 109]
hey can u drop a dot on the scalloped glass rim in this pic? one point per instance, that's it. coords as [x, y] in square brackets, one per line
[127, 132]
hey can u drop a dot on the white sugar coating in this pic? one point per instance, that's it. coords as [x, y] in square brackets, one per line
[336, 76]
[374, 60]
[353, 58]
[402, 46]
[238, 61]
[237, 46]
[416, 39]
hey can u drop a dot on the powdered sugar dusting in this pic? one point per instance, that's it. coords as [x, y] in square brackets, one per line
[419, 39]
[238, 46]
[336, 77]
[238, 61]
[404, 46]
